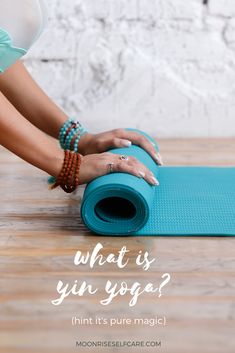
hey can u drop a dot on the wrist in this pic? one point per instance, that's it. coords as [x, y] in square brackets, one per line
[55, 163]
[84, 143]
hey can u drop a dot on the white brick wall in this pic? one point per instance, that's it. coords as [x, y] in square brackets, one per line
[165, 66]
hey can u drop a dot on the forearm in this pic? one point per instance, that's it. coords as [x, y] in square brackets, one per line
[30, 100]
[25, 140]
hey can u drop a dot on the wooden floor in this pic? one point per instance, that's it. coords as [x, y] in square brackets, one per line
[40, 232]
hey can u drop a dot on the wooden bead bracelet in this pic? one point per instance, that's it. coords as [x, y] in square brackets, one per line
[68, 179]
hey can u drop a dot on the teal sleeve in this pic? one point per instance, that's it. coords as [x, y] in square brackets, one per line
[8, 53]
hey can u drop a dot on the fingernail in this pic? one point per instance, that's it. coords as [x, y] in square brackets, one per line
[141, 174]
[158, 158]
[154, 181]
[126, 143]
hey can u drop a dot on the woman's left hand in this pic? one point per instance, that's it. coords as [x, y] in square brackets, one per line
[97, 143]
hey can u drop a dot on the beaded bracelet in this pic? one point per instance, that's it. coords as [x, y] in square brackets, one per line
[71, 130]
[68, 179]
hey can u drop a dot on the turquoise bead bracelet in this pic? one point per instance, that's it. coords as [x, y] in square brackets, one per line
[82, 132]
[71, 129]
[64, 129]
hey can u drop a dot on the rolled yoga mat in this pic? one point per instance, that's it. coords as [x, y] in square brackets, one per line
[189, 200]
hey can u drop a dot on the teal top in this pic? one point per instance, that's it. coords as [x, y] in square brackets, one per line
[9, 54]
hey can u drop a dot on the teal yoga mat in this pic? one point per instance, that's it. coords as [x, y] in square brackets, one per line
[189, 200]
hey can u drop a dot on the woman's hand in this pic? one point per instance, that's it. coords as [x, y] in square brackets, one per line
[95, 165]
[104, 141]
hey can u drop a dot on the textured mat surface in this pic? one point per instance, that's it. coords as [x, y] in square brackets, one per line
[189, 201]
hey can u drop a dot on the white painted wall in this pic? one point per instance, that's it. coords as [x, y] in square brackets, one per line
[165, 66]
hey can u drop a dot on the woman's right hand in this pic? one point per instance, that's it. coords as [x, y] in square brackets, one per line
[95, 165]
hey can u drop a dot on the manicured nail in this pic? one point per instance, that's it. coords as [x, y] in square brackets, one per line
[141, 174]
[158, 158]
[154, 181]
[126, 143]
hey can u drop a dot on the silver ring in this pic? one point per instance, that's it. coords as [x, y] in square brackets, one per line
[110, 167]
[123, 158]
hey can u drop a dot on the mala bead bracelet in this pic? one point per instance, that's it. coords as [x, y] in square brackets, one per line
[71, 131]
[68, 179]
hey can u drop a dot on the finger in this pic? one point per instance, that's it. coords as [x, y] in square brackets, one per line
[119, 143]
[148, 146]
[148, 175]
[126, 168]
[112, 142]
[143, 142]
[134, 167]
